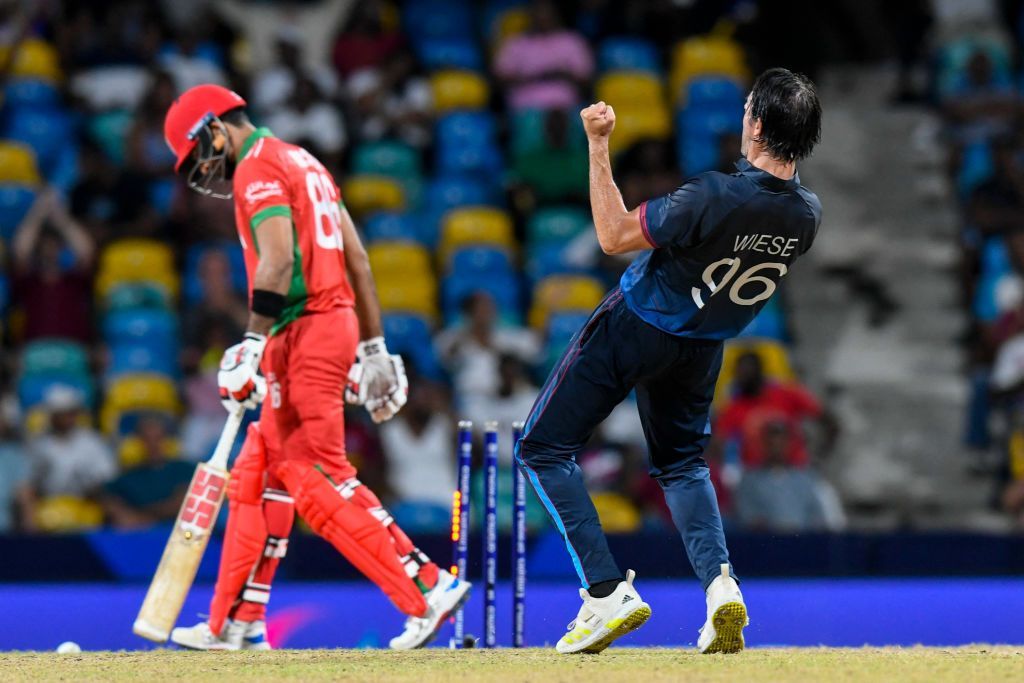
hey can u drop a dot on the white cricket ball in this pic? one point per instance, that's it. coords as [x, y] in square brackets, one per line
[68, 647]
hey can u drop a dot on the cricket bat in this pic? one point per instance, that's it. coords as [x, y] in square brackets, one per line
[189, 537]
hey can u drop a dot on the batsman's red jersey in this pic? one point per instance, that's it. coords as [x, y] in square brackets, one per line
[274, 178]
[313, 343]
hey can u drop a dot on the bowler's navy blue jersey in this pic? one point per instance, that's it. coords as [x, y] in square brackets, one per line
[721, 244]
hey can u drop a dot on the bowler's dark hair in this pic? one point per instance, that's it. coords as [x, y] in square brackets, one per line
[787, 105]
[236, 116]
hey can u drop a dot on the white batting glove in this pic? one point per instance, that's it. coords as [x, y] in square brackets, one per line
[240, 383]
[377, 380]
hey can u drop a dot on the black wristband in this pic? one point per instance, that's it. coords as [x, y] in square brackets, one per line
[268, 304]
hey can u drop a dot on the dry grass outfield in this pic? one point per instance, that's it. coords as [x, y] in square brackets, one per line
[932, 665]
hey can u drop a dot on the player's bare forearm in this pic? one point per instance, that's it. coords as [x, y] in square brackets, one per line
[357, 265]
[274, 269]
[618, 230]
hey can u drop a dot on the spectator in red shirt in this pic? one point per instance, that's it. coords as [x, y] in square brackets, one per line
[53, 286]
[758, 402]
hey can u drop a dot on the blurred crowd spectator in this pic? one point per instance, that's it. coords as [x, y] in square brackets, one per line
[452, 127]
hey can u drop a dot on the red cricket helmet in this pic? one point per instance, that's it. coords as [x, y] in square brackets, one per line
[191, 112]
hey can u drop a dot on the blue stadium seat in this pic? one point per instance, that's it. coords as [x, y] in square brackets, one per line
[625, 52]
[443, 53]
[561, 328]
[392, 226]
[503, 288]
[438, 19]
[47, 131]
[449, 191]
[30, 92]
[32, 389]
[133, 358]
[468, 159]
[715, 92]
[547, 259]
[976, 167]
[770, 323]
[698, 153]
[148, 327]
[417, 517]
[481, 259]
[409, 336]
[466, 128]
[15, 201]
[709, 120]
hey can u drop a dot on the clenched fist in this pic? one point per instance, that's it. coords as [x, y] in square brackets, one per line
[598, 120]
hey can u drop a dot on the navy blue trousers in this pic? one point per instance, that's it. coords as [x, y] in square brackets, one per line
[674, 378]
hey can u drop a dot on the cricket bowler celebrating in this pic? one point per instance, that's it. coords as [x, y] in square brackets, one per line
[713, 253]
[312, 300]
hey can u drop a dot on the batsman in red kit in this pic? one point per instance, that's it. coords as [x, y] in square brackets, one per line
[315, 323]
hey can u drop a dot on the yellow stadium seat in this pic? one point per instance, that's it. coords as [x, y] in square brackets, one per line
[511, 22]
[617, 513]
[35, 59]
[704, 55]
[138, 393]
[475, 225]
[137, 260]
[366, 193]
[564, 293]
[633, 124]
[399, 260]
[37, 421]
[634, 89]
[409, 296]
[18, 164]
[131, 452]
[774, 360]
[58, 514]
[455, 89]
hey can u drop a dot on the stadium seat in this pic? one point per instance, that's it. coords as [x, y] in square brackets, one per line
[129, 358]
[466, 128]
[365, 193]
[399, 260]
[109, 130]
[31, 93]
[951, 61]
[634, 124]
[140, 326]
[485, 159]
[551, 258]
[18, 164]
[134, 394]
[131, 451]
[458, 90]
[390, 226]
[131, 295]
[67, 514]
[409, 336]
[409, 297]
[504, 289]
[48, 132]
[137, 260]
[439, 19]
[770, 323]
[32, 389]
[15, 202]
[633, 89]
[564, 293]
[480, 259]
[448, 192]
[561, 328]
[387, 157]
[628, 53]
[714, 91]
[528, 131]
[706, 55]
[54, 357]
[557, 224]
[511, 22]
[475, 225]
[35, 59]
[446, 53]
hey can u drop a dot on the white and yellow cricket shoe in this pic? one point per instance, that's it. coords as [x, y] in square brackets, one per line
[603, 620]
[727, 617]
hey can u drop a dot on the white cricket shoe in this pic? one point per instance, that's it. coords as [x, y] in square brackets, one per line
[236, 635]
[602, 620]
[727, 617]
[444, 598]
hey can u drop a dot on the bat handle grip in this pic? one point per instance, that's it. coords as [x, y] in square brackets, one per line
[222, 452]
